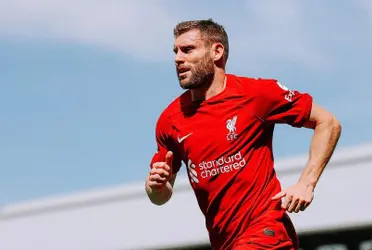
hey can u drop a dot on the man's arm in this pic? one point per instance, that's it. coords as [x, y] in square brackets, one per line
[327, 131]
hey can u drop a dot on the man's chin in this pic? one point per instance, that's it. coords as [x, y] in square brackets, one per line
[185, 83]
[188, 85]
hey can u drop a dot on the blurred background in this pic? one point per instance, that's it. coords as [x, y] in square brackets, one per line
[82, 84]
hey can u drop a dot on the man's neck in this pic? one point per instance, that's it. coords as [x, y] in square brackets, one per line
[216, 87]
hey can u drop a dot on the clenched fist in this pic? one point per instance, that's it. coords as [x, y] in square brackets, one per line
[160, 173]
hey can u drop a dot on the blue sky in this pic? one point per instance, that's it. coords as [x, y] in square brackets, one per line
[82, 82]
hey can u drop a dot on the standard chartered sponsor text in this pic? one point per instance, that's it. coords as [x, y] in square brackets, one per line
[221, 165]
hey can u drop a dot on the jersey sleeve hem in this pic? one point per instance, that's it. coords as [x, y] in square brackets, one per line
[308, 101]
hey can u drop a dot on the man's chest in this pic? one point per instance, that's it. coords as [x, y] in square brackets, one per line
[214, 132]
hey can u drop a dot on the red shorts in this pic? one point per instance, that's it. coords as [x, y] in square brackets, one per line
[273, 230]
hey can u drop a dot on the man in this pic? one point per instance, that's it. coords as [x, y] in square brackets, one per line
[222, 129]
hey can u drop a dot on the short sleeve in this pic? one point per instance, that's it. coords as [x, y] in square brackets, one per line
[278, 104]
[165, 143]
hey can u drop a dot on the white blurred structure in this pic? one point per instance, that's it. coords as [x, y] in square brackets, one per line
[123, 218]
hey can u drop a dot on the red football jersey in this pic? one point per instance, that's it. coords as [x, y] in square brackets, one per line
[226, 145]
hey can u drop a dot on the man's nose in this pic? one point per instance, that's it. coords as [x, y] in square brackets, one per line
[179, 58]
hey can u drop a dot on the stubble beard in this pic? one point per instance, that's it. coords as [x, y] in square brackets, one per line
[201, 75]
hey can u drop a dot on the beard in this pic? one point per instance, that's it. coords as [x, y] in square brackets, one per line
[201, 75]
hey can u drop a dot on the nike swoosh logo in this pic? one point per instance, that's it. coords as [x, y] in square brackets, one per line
[183, 138]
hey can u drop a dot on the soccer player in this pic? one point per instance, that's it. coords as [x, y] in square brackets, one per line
[222, 127]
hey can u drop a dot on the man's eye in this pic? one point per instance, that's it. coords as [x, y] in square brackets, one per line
[187, 50]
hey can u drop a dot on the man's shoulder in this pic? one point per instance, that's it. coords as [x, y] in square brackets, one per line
[174, 107]
[252, 85]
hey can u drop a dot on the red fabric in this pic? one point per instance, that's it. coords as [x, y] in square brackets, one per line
[273, 230]
[226, 145]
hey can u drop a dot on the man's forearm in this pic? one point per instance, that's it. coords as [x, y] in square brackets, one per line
[324, 141]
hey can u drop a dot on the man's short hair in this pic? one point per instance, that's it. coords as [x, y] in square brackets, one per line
[211, 31]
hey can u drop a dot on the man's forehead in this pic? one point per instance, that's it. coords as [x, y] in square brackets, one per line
[190, 37]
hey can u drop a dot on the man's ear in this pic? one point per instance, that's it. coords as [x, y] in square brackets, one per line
[218, 51]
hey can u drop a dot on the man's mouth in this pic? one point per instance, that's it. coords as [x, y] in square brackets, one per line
[182, 71]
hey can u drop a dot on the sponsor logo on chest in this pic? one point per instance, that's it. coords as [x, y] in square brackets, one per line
[208, 169]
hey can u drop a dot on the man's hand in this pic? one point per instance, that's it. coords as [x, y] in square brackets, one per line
[296, 198]
[160, 181]
[160, 173]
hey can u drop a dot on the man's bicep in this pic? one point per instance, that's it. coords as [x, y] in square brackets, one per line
[318, 115]
[278, 104]
[165, 143]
